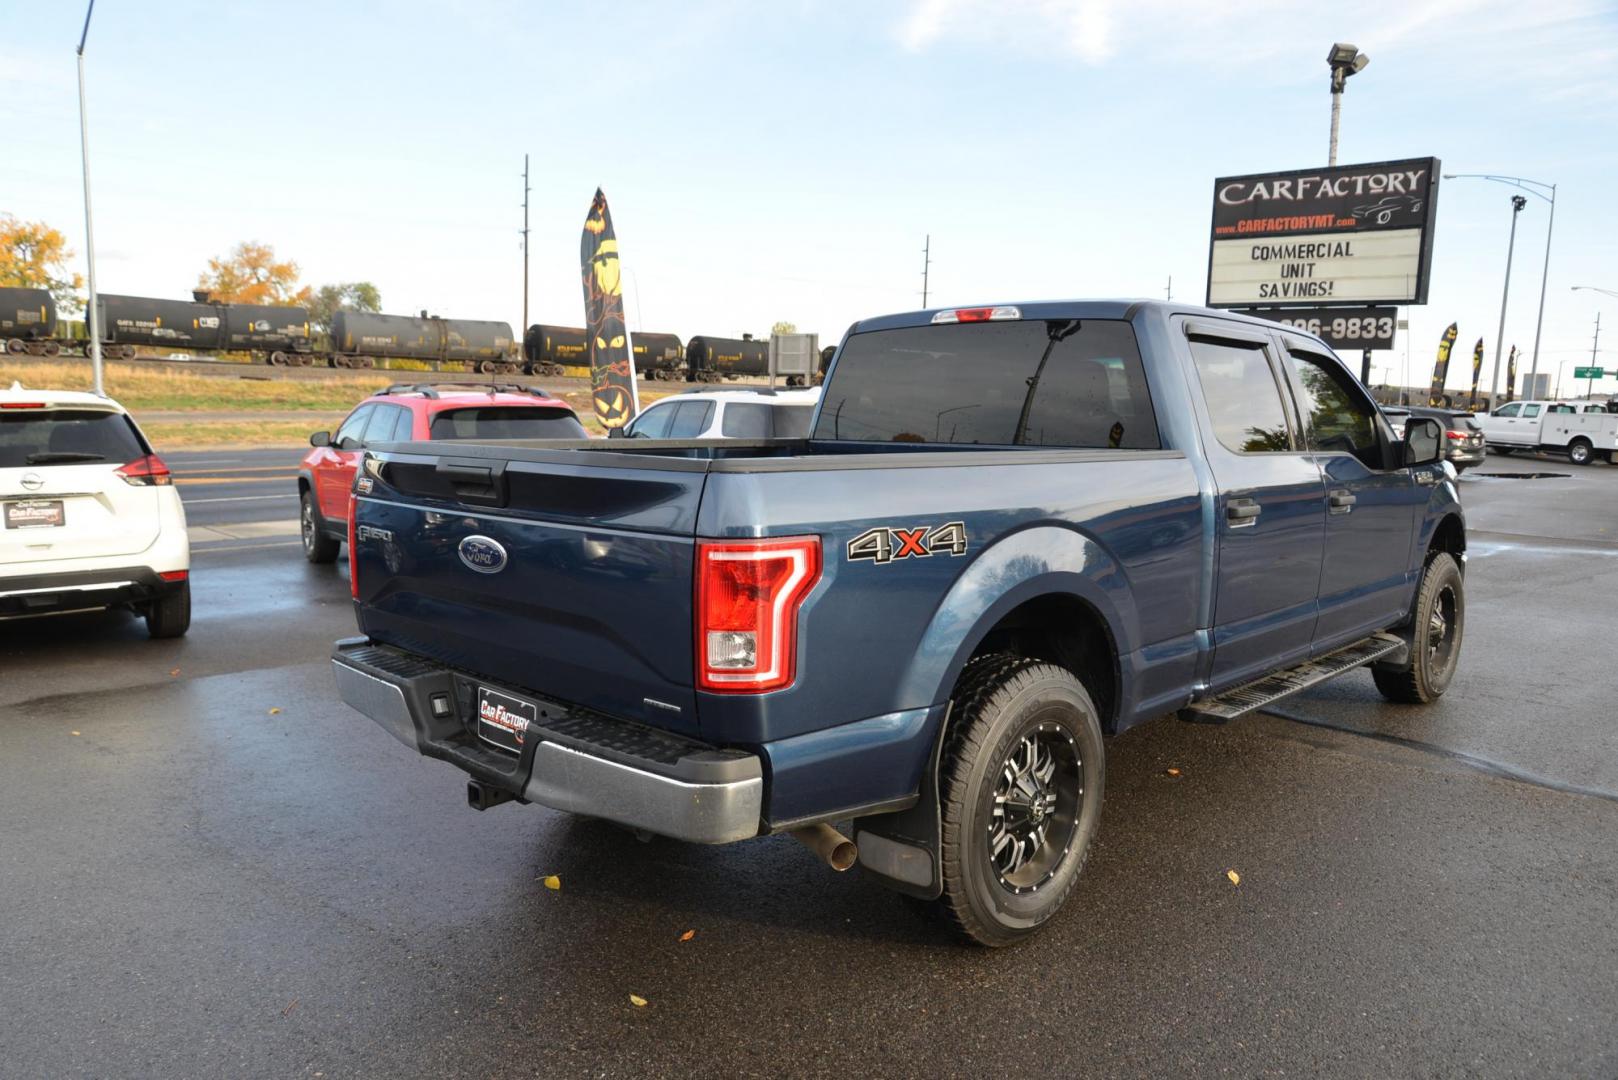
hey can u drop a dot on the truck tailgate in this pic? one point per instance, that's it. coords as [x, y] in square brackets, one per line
[578, 585]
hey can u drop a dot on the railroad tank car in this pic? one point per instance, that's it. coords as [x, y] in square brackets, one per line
[658, 356]
[475, 340]
[360, 338]
[28, 321]
[128, 321]
[710, 359]
[278, 331]
[547, 349]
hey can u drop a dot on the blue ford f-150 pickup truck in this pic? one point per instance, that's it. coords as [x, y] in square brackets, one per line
[1014, 530]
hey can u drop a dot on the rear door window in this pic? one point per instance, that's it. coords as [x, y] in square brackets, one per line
[1530, 411]
[506, 422]
[67, 437]
[746, 420]
[384, 421]
[690, 419]
[1244, 402]
[1036, 382]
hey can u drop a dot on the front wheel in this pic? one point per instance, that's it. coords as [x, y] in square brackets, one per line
[1439, 625]
[1020, 795]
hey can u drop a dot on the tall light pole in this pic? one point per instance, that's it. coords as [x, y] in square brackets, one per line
[92, 317]
[1517, 203]
[525, 190]
[1345, 60]
[926, 265]
[1538, 189]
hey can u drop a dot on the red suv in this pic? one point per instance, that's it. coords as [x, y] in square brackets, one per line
[406, 413]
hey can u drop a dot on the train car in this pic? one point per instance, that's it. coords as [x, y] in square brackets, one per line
[548, 349]
[360, 338]
[710, 359]
[28, 321]
[658, 356]
[130, 321]
[282, 333]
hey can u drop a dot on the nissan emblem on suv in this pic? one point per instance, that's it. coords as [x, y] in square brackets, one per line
[482, 554]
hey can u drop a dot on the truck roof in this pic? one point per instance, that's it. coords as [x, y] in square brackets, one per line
[1066, 309]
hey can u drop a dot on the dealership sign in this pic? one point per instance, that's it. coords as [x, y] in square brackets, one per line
[1339, 327]
[1358, 234]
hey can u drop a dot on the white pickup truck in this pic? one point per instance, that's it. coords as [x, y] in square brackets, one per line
[1582, 430]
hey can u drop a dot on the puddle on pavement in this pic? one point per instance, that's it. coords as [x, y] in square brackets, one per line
[1522, 475]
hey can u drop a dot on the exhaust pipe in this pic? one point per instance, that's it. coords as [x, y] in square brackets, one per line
[830, 846]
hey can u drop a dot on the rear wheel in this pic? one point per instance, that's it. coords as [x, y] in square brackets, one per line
[1580, 452]
[317, 546]
[1020, 796]
[53, 348]
[170, 616]
[1439, 625]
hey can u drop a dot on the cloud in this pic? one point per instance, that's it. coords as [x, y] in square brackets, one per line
[1558, 48]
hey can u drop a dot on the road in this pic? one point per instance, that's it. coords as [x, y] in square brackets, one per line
[210, 867]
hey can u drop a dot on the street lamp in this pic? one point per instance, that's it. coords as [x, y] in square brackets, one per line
[1533, 187]
[1345, 60]
[92, 317]
[1517, 203]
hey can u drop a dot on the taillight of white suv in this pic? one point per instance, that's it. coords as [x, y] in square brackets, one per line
[148, 471]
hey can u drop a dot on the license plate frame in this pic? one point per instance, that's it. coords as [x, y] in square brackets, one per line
[35, 513]
[503, 719]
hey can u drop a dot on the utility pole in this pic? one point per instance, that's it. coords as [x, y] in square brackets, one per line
[1590, 383]
[926, 263]
[1168, 291]
[525, 190]
[92, 317]
[1517, 203]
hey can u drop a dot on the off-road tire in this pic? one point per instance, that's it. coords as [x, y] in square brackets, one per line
[170, 616]
[317, 546]
[1427, 674]
[998, 700]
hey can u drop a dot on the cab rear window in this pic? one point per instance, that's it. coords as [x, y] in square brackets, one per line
[1045, 382]
[494, 422]
[67, 437]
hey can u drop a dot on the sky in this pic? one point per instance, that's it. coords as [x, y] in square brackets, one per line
[786, 161]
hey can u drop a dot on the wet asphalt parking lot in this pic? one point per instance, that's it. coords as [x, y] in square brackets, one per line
[209, 866]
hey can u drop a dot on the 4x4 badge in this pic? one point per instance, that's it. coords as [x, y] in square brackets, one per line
[885, 544]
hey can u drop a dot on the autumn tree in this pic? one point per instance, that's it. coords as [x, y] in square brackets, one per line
[34, 256]
[250, 275]
[328, 300]
[784, 327]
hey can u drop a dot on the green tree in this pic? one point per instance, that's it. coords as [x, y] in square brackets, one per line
[784, 327]
[328, 300]
[35, 256]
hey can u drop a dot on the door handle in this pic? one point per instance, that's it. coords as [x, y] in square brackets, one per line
[1242, 513]
[1341, 501]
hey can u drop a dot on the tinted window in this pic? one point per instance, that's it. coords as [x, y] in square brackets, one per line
[383, 422]
[1561, 409]
[1335, 415]
[1244, 403]
[1509, 410]
[690, 419]
[80, 436]
[404, 430]
[654, 422]
[745, 420]
[792, 421]
[1059, 382]
[351, 435]
[506, 422]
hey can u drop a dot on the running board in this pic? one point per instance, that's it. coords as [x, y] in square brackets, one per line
[1272, 688]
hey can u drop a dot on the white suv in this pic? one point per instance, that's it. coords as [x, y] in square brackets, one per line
[727, 414]
[89, 517]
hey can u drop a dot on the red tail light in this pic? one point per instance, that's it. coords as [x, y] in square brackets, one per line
[748, 596]
[977, 314]
[174, 575]
[148, 471]
[353, 557]
[1458, 436]
[22, 404]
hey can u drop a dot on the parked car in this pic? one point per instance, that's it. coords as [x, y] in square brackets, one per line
[1584, 431]
[91, 516]
[726, 414]
[1466, 445]
[1013, 529]
[410, 413]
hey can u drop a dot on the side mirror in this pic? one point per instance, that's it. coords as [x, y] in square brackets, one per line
[320, 438]
[1424, 441]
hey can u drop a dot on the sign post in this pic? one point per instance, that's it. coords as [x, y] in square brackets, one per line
[1286, 245]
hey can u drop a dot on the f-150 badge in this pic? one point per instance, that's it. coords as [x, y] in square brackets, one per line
[885, 544]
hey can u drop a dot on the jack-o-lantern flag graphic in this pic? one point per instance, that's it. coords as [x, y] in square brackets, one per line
[1511, 376]
[1477, 369]
[612, 371]
[1441, 369]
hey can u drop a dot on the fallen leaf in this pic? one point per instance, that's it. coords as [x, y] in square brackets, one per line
[637, 1001]
[688, 935]
[73, 733]
[1172, 771]
[173, 672]
[293, 1004]
[1235, 878]
[553, 882]
[275, 710]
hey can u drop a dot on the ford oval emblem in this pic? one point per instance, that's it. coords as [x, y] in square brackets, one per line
[482, 554]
